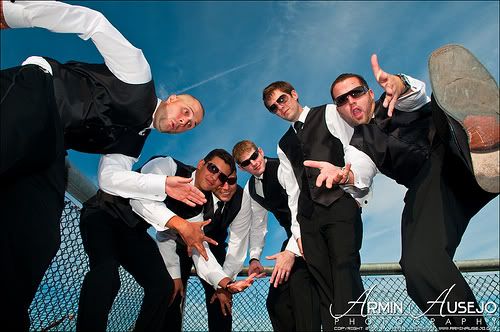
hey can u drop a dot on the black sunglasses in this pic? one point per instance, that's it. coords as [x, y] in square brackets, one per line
[254, 156]
[281, 100]
[231, 181]
[223, 178]
[354, 93]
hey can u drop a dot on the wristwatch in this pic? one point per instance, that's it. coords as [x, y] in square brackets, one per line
[406, 83]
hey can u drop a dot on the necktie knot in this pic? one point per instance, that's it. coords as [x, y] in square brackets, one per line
[298, 126]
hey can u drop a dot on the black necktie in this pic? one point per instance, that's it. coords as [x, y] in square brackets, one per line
[298, 128]
[218, 212]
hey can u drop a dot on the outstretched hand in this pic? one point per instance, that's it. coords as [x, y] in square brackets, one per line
[392, 85]
[192, 234]
[241, 285]
[329, 173]
[181, 189]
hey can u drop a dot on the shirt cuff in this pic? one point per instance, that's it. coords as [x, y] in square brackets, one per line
[155, 184]
[292, 246]
[255, 253]
[175, 272]
[214, 277]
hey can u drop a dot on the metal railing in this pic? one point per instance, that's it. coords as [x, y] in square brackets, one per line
[55, 304]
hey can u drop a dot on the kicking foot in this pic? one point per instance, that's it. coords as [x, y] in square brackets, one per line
[467, 92]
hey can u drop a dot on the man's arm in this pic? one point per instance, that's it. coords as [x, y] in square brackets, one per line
[238, 238]
[287, 179]
[123, 59]
[116, 178]
[258, 231]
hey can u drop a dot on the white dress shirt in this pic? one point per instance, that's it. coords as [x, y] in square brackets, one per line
[156, 213]
[124, 60]
[258, 229]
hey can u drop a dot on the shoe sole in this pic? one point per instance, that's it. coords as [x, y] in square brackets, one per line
[462, 86]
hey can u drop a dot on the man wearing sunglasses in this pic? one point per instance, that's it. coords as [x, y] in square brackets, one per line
[292, 301]
[48, 107]
[330, 231]
[445, 151]
[132, 248]
[229, 209]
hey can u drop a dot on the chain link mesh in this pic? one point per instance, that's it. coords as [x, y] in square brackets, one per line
[55, 304]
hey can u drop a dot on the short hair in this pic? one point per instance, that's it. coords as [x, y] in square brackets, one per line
[343, 77]
[278, 85]
[222, 154]
[242, 147]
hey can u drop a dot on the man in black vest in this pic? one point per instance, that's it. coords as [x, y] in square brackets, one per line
[229, 208]
[48, 107]
[330, 218]
[437, 149]
[292, 302]
[128, 244]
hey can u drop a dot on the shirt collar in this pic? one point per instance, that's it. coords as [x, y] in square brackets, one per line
[303, 115]
[151, 126]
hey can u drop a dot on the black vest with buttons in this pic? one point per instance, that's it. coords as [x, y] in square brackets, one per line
[313, 142]
[100, 113]
[398, 145]
[275, 197]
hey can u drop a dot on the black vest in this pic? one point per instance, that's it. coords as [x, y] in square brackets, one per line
[275, 197]
[218, 228]
[119, 207]
[99, 112]
[314, 142]
[398, 145]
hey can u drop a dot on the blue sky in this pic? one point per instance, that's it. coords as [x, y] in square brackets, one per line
[226, 52]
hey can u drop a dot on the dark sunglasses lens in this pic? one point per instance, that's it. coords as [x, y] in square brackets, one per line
[212, 168]
[358, 92]
[231, 181]
[272, 108]
[282, 99]
[341, 100]
[355, 93]
[254, 156]
[223, 178]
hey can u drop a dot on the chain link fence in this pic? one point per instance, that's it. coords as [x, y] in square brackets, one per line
[55, 305]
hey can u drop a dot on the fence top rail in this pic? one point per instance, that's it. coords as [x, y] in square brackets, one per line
[372, 269]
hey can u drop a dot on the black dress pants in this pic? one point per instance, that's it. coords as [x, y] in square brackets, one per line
[109, 243]
[294, 305]
[32, 177]
[331, 240]
[438, 207]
